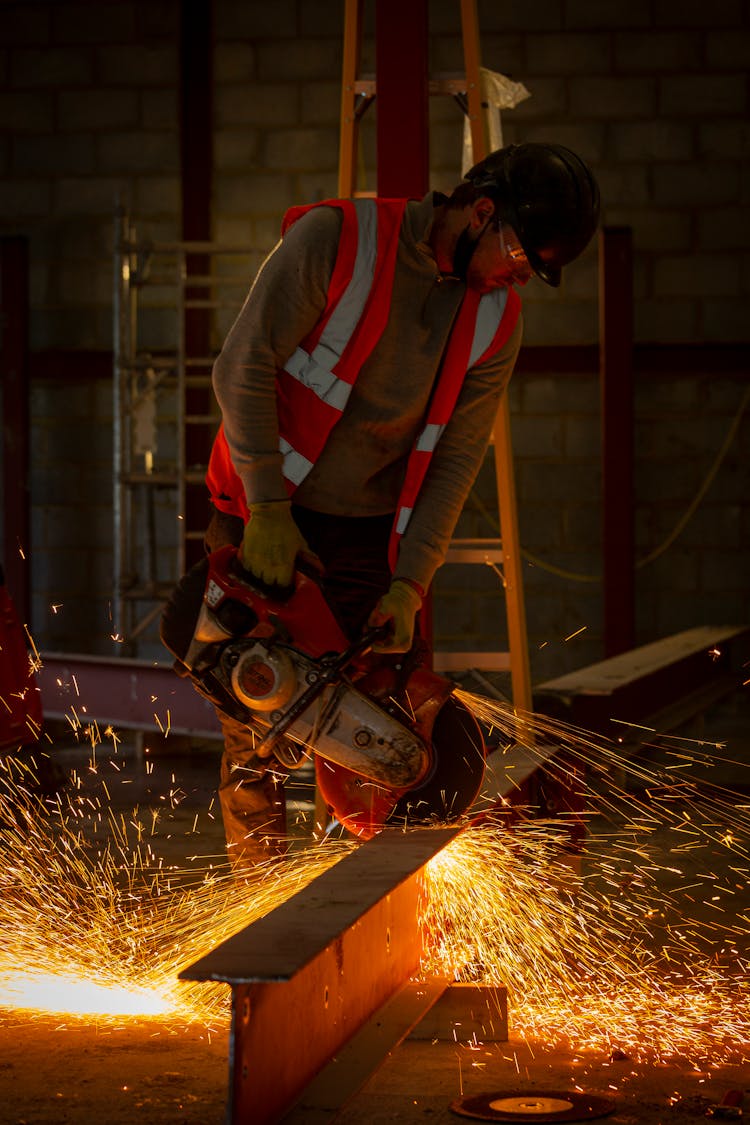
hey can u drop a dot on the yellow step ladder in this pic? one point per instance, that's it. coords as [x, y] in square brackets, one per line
[356, 95]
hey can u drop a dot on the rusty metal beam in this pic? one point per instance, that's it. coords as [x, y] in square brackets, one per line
[308, 975]
[131, 694]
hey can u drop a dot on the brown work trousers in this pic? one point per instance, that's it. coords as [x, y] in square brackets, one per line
[354, 554]
[251, 795]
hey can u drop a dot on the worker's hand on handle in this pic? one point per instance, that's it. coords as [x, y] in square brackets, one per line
[271, 543]
[397, 608]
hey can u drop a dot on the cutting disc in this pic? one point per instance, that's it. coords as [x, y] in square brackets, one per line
[549, 1105]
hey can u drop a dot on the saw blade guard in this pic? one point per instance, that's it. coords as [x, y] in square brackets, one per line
[457, 752]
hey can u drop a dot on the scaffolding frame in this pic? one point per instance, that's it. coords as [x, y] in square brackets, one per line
[144, 379]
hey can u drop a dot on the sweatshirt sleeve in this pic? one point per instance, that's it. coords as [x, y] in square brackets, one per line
[285, 302]
[454, 466]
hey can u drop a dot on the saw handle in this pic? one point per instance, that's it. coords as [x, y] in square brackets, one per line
[268, 590]
[307, 564]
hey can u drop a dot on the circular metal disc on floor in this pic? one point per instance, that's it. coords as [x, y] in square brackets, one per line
[549, 1105]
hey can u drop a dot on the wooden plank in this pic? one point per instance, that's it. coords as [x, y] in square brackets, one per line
[669, 680]
[606, 676]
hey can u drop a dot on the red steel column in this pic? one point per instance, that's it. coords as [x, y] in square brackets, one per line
[402, 84]
[616, 370]
[403, 120]
[14, 371]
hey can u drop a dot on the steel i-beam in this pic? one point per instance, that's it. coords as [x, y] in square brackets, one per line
[308, 975]
[130, 694]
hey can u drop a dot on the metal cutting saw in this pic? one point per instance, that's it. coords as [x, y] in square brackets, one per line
[390, 742]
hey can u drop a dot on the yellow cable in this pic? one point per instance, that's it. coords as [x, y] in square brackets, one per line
[676, 531]
[682, 523]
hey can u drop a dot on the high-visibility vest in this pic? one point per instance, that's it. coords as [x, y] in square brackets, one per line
[313, 388]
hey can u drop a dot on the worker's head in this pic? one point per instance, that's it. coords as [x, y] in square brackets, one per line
[542, 203]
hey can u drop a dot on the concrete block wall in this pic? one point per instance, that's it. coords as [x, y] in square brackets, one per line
[70, 561]
[683, 434]
[652, 92]
[654, 95]
[88, 111]
[556, 443]
[691, 519]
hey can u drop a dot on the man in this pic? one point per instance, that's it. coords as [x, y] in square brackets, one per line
[358, 390]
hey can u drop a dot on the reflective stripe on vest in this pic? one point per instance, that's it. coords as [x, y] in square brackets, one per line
[315, 369]
[296, 467]
[429, 437]
[314, 386]
[488, 317]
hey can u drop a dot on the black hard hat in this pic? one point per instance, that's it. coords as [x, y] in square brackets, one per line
[549, 197]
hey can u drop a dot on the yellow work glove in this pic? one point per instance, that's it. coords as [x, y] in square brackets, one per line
[271, 543]
[399, 608]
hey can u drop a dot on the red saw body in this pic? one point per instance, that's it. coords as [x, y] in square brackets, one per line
[391, 743]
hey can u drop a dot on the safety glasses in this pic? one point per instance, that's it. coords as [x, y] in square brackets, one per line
[513, 252]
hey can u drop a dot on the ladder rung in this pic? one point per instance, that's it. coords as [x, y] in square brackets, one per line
[207, 280]
[199, 304]
[158, 480]
[475, 551]
[152, 591]
[144, 362]
[164, 279]
[461, 661]
[163, 479]
[199, 248]
[168, 379]
[440, 84]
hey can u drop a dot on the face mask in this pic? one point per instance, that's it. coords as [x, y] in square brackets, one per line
[465, 247]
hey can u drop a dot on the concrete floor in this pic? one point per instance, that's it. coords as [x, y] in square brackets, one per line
[421, 1081]
[78, 1072]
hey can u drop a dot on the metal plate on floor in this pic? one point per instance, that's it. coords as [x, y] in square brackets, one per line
[530, 1106]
